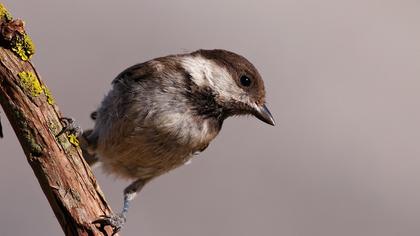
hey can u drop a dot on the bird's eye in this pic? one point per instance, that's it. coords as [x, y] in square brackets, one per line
[245, 81]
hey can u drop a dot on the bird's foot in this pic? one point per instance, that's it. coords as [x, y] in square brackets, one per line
[70, 126]
[116, 221]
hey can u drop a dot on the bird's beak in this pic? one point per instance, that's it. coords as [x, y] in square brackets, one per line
[263, 114]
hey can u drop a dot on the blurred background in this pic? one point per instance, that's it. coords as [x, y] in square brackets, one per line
[343, 82]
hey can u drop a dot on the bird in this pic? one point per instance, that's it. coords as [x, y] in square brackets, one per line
[162, 112]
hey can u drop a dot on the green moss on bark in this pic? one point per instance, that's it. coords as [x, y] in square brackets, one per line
[28, 139]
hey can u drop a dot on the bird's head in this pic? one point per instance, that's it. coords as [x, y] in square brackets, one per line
[233, 81]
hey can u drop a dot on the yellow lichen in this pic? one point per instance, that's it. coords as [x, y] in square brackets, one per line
[30, 83]
[73, 140]
[23, 46]
[18, 41]
[4, 13]
[48, 94]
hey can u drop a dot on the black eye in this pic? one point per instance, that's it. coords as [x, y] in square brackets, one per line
[245, 81]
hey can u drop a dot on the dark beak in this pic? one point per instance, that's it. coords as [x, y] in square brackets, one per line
[262, 113]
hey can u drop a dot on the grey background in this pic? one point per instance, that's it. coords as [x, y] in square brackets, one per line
[343, 82]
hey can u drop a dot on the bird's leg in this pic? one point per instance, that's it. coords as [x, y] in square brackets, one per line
[116, 221]
[130, 193]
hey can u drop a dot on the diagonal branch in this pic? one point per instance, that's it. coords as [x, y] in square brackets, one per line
[65, 178]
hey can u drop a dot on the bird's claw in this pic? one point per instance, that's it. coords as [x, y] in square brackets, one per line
[116, 221]
[70, 126]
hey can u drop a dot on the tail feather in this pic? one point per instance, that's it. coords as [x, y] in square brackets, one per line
[88, 145]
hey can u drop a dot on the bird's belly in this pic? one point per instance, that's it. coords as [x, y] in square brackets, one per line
[151, 150]
[142, 160]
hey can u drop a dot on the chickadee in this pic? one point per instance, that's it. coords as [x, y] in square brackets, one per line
[161, 112]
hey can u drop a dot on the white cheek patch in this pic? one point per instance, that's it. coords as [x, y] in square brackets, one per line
[199, 69]
[205, 72]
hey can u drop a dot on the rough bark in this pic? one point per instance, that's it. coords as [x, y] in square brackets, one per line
[65, 178]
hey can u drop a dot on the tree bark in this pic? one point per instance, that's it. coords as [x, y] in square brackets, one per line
[65, 178]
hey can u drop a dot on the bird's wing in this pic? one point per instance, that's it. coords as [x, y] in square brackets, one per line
[137, 73]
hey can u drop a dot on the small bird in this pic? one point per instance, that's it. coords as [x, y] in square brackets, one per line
[160, 113]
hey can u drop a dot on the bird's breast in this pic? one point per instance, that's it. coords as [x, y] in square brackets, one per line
[188, 130]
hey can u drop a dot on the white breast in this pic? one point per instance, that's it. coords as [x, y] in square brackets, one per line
[189, 130]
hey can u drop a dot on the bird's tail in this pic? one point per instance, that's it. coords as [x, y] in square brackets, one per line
[88, 144]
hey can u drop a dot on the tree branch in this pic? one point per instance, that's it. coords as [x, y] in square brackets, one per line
[65, 178]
